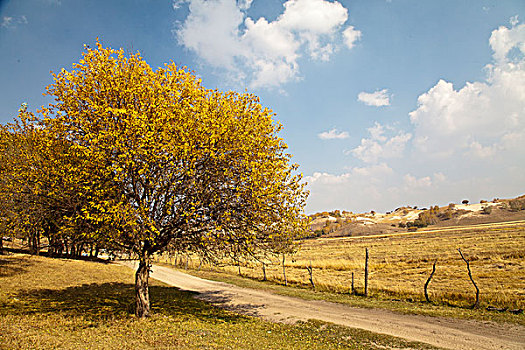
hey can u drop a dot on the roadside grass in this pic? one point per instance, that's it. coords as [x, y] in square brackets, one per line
[399, 267]
[67, 304]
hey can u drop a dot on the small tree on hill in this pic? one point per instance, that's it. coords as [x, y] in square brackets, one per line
[193, 169]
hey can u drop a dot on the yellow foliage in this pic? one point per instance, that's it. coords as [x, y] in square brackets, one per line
[173, 163]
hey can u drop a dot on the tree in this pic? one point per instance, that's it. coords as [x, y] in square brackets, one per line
[465, 201]
[37, 197]
[172, 164]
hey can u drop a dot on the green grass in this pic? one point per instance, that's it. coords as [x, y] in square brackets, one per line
[67, 304]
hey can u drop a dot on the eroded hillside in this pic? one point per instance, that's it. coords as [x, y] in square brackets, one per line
[344, 223]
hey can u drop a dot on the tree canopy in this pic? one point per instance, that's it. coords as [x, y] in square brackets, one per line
[150, 160]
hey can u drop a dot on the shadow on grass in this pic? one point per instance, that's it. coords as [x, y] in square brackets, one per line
[11, 267]
[58, 256]
[110, 301]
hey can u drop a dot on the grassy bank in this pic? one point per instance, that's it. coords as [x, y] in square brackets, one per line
[67, 304]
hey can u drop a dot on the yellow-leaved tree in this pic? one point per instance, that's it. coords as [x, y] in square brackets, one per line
[41, 191]
[172, 164]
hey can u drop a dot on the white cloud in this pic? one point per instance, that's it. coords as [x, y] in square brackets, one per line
[514, 20]
[333, 134]
[212, 31]
[263, 53]
[176, 4]
[244, 4]
[13, 22]
[477, 150]
[466, 142]
[482, 119]
[439, 177]
[377, 99]
[315, 16]
[6, 21]
[358, 188]
[411, 182]
[503, 40]
[351, 36]
[379, 146]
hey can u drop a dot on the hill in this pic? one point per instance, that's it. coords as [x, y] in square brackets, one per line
[345, 224]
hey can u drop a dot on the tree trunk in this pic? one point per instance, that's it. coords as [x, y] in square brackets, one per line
[66, 247]
[142, 305]
[35, 244]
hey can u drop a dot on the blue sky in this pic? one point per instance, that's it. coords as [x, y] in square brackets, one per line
[384, 103]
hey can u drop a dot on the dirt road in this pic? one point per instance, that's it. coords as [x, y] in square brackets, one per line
[441, 332]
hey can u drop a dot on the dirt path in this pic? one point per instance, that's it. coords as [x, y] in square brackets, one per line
[441, 332]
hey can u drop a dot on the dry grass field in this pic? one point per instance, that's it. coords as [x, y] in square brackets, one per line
[401, 263]
[68, 304]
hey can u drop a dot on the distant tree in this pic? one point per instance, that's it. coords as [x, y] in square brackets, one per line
[427, 217]
[517, 204]
[335, 213]
[327, 227]
[487, 210]
[465, 201]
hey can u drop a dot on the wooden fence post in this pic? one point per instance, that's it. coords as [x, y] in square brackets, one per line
[310, 271]
[428, 281]
[366, 272]
[476, 304]
[284, 271]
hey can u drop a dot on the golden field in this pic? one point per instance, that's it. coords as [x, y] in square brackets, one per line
[400, 264]
[50, 303]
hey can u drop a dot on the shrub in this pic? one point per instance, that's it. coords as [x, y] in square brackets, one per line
[517, 204]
